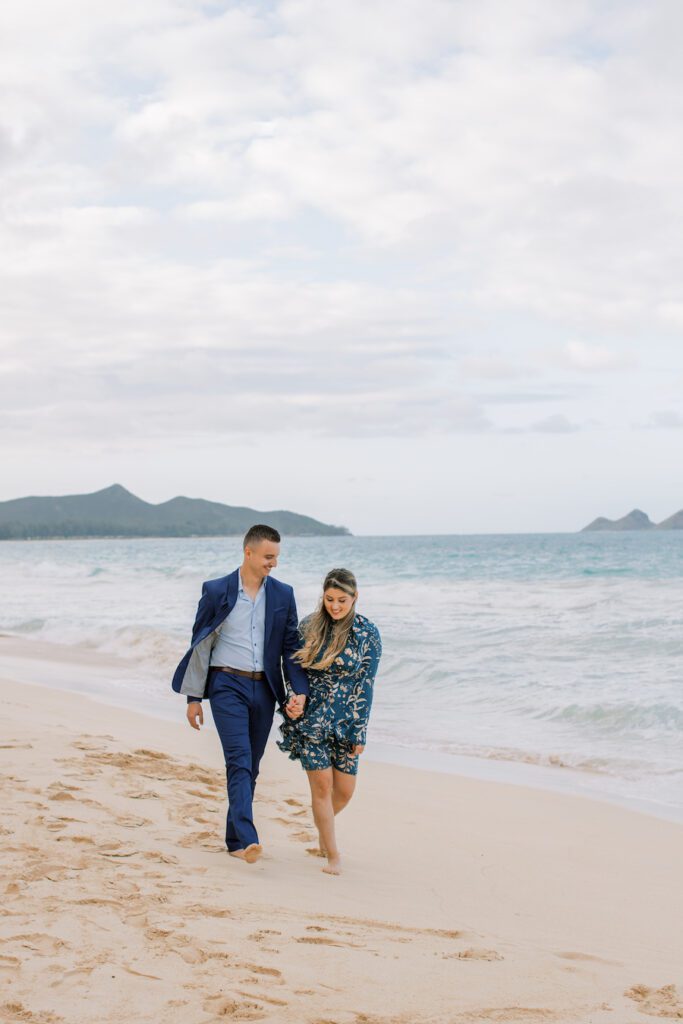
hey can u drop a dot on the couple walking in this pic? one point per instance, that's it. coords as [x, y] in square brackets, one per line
[249, 653]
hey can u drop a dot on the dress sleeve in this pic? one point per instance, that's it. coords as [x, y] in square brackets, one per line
[299, 641]
[295, 674]
[361, 699]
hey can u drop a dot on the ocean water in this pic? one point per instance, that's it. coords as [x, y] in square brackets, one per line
[561, 651]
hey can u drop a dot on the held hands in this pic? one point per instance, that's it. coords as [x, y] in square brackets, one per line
[358, 749]
[195, 715]
[294, 708]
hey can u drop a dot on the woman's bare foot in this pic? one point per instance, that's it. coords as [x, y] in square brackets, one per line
[237, 853]
[333, 866]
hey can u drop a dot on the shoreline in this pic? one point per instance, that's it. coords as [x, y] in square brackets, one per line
[462, 900]
[50, 662]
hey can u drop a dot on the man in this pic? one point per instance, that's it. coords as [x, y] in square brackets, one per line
[244, 634]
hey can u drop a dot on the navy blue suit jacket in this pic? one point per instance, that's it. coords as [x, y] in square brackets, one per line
[281, 638]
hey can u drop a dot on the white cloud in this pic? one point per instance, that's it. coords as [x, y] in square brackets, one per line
[493, 367]
[392, 207]
[665, 419]
[577, 355]
[556, 424]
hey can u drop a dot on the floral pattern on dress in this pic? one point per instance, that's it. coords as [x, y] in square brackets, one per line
[340, 698]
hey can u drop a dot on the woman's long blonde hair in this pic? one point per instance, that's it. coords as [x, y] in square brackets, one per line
[321, 628]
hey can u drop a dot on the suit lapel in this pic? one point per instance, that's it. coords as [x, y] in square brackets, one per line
[229, 599]
[270, 610]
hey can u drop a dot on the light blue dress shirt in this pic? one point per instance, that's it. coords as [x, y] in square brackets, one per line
[242, 635]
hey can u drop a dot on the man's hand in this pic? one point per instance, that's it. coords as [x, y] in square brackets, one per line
[358, 749]
[195, 715]
[294, 708]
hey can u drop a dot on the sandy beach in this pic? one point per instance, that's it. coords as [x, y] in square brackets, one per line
[461, 900]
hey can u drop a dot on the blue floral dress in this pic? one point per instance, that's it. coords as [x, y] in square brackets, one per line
[338, 705]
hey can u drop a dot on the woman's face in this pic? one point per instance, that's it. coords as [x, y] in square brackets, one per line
[337, 602]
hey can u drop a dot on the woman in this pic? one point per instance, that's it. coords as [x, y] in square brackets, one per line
[340, 651]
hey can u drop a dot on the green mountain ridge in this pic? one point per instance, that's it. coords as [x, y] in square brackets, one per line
[116, 512]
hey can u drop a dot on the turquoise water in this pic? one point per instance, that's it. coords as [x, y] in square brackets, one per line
[558, 650]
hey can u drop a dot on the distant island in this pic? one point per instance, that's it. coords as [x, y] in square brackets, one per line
[636, 520]
[115, 512]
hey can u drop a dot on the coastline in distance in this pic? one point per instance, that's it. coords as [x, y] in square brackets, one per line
[636, 520]
[115, 512]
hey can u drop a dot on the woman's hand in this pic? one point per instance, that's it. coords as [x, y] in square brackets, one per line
[294, 708]
[359, 748]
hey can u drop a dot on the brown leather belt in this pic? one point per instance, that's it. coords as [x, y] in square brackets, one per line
[238, 672]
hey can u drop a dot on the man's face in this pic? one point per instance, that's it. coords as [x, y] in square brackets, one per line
[262, 557]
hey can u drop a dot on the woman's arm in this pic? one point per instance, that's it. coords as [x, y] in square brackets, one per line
[295, 675]
[361, 698]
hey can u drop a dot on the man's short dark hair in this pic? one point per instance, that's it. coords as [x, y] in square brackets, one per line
[255, 534]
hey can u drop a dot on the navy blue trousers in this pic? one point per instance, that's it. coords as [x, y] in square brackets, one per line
[243, 712]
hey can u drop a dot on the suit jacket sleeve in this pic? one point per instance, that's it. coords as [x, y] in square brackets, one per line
[294, 673]
[202, 619]
[204, 613]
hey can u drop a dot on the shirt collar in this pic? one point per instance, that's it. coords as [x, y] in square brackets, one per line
[240, 585]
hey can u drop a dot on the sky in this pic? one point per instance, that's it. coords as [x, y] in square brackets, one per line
[409, 266]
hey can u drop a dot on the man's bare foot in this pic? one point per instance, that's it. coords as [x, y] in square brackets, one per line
[333, 866]
[253, 852]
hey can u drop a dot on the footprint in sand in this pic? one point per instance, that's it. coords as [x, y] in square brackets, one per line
[298, 810]
[271, 1000]
[386, 926]
[225, 1008]
[269, 972]
[263, 935]
[54, 825]
[657, 1002]
[43, 945]
[151, 764]
[474, 954]
[131, 821]
[199, 910]
[588, 957]
[507, 1015]
[207, 840]
[116, 850]
[53, 872]
[295, 830]
[11, 1012]
[319, 940]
